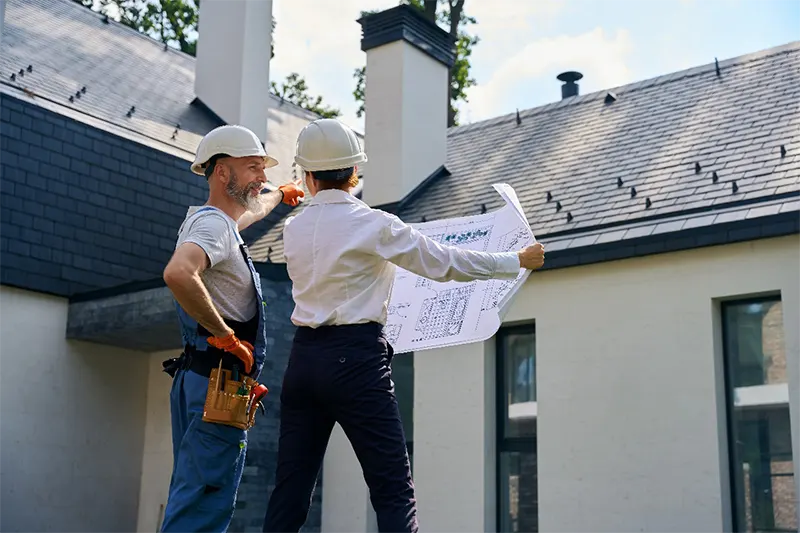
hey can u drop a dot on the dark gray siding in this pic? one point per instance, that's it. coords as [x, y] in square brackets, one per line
[83, 209]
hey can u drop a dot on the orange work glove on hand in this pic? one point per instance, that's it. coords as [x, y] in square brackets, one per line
[241, 349]
[292, 193]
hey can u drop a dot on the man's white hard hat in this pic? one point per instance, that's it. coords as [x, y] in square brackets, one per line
[231, 140]
[327, 145]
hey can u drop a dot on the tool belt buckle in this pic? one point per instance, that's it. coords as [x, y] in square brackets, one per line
[229, 400]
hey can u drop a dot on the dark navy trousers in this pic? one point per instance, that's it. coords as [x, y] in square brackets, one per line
[341, 374]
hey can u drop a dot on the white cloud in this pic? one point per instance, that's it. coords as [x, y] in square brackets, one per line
[506, 16]
[600, 57]
[322, 42]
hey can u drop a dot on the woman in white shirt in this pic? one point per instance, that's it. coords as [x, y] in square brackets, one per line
[341, 256]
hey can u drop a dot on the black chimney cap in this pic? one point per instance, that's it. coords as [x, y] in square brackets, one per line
[570, 88]
[570, 76]
[407, 23]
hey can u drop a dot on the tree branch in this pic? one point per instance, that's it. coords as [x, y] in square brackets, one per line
[430, 10]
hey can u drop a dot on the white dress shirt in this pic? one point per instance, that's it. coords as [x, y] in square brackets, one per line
[341, 256]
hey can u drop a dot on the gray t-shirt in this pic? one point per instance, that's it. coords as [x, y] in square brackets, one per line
[228, 277]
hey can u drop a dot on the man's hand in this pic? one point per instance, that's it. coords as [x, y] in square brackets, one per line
[532, 257]
[241, 349]
[292, 193]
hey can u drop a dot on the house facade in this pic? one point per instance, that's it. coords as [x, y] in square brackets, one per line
[647, 379]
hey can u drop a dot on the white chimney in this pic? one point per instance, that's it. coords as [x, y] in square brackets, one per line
[2, 19]
[232, 67]
[405, 101]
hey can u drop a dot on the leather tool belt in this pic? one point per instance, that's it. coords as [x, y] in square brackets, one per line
[231, 399]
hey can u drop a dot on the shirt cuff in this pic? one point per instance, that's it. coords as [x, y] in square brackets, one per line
[507, 265]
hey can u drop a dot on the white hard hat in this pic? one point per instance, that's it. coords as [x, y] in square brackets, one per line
[326, 145]
[231, 140]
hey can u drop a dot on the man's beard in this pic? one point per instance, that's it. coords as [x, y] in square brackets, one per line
[243, 195]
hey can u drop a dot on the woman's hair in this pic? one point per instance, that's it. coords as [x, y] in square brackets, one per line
[336, 179]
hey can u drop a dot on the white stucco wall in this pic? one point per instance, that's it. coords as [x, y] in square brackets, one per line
[73, 417]
[630, 418]
[157, 453]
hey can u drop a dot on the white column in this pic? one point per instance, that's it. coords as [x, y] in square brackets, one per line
[345, 499]
[454, 438]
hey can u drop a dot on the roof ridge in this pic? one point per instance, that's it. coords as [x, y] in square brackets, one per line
[662, 79]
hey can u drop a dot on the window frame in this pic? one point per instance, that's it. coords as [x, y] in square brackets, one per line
[734, 487]
[505, 444]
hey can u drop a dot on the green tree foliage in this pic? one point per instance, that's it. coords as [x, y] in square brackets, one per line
[295, 90]
[450, 15]
[174, 22]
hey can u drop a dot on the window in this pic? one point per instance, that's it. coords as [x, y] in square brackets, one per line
[517, 488]
[403, 377]
[757, 404]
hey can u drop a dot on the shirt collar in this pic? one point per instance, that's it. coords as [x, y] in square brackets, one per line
[335, 196]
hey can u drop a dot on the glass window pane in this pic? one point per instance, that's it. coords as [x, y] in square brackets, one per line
[755, 343]
[762, 468]
[403, 377]
[518, 492]
[519, 383]
[764, 471]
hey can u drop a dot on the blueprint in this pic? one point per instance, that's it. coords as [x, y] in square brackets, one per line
[423, 314]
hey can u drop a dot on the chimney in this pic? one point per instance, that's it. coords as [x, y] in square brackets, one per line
[405, 101]
[2, 19]
[570, 87]
[232, 65]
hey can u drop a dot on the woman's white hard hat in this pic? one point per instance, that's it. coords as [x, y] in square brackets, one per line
[326, 145]
[231, 140]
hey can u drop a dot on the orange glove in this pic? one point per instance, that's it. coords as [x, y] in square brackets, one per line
[241, 349]
[292, 193]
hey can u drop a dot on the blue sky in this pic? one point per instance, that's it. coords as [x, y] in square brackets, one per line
[526, 43]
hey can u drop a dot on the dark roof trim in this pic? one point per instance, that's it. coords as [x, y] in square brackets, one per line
[122, 289]
[778, 225]
[407, 23]
[396, 207]
[275, 272]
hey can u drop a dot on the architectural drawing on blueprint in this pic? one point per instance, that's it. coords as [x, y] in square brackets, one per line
[497, 289]
[424, 313]
[443, 315]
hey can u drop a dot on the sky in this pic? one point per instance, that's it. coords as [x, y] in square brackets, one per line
[526, 43]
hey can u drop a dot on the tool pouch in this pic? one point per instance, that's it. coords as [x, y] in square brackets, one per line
[228, 401]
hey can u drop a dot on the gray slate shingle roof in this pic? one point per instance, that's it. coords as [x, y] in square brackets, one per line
[70, 47]
[652, 137]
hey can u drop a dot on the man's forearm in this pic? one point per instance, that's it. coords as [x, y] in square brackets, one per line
[266, 204]
[192, 295]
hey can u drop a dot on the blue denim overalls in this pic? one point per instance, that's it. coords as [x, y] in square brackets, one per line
[208, 458]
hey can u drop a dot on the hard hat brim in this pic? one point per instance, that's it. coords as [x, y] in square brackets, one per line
[198, 168]
[330, 165]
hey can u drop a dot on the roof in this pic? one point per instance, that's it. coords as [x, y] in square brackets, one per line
[108, 68]
[683, 143]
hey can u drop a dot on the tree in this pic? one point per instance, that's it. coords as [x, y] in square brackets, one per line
[175, 22]
[295, 90]
[452, 17]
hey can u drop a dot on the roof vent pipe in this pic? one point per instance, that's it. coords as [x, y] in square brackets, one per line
[570, 88]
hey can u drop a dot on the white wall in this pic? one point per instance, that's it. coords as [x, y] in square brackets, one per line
[73, 416]
[157, 455]
[630, 421]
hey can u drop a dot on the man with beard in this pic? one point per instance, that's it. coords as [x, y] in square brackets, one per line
[220, 308]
